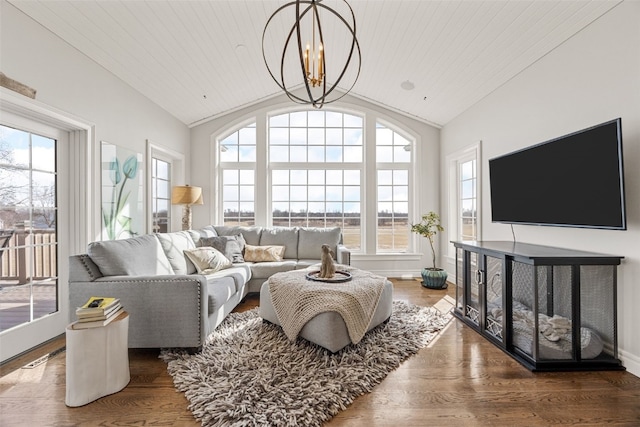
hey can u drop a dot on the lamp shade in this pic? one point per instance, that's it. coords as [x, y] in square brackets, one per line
[186, 195]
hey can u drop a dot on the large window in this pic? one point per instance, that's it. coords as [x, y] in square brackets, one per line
[166, 171]
[160, 195]
[312, 172]
[393, 155]
[318, 198]
[28, 227]
[315, 159]
[315, 137]
[464, 184]
[467, 213]
[239, 195]
[237, 154]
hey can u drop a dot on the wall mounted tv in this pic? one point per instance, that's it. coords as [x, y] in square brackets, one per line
[576, 180]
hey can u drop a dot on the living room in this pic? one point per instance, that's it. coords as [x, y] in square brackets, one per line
[592, 77]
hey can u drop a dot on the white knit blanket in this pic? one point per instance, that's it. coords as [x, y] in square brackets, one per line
[297, 300]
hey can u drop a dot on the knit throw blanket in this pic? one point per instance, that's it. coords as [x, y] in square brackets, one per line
[297, 300]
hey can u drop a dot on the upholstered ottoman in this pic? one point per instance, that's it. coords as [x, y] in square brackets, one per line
[328, 329]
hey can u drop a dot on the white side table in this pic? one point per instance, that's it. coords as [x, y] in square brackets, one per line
[97, 361]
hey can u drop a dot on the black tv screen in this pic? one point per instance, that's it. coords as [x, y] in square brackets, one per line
[576, 180]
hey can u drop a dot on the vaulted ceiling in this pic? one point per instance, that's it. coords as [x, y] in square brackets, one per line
[202, 59]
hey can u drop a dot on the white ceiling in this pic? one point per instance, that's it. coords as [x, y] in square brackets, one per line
[202, 59]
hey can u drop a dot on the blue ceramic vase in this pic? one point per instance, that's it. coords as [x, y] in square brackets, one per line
[434, 278]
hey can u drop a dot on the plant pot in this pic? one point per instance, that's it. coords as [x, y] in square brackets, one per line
[434, 278]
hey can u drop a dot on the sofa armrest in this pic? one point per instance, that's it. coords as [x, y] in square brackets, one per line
[343, 256]
[164, 310]
[83, 269]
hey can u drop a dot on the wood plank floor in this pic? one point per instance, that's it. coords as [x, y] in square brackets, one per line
[459, 380]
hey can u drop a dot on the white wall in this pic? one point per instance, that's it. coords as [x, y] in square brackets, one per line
[427, 178]
[69, 81]
[71, 85]
[591, 78]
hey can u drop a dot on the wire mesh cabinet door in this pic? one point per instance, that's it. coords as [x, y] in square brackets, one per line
[480, 291]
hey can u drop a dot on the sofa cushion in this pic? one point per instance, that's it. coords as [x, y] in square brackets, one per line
[137, 256]
[263, 253]
[306, 263]
[312, 239]
[241, 273]
[207, 231]
[264, 270]
[174, 244]
[219, 291]
[251, 234]
[287, 237]
[230, 246]
[207, 259]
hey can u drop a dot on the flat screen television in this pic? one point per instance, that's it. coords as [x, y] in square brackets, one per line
[576, 180]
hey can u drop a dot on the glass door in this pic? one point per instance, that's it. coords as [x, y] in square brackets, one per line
[32, 305]
[494, 316]
[472, 310]
[28, 226]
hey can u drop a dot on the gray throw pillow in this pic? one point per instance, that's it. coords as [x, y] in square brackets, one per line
[280, 236]
[136, 256]
[251, 234]
[311, 240]
[207, 231]
[230, 246]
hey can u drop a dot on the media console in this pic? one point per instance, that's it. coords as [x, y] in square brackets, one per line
[549, 308]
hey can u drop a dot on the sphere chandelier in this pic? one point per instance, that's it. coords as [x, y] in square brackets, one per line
[311, 62]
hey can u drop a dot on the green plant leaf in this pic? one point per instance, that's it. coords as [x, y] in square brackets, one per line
[428, 227]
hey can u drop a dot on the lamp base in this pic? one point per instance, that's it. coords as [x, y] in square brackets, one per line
[186, 218]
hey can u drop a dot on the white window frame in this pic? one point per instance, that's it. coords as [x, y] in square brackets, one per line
[324, 165]
[176, 161]
[218, 171]
[454, 160]
[78, 169]
[263, 208]
[409, 167]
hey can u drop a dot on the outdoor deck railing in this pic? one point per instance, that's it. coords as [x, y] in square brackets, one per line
[29, 255]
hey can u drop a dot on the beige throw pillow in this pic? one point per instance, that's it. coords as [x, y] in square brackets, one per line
[207, 259]
[263, 253]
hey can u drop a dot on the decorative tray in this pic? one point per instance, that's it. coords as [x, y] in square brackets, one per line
[340, 276]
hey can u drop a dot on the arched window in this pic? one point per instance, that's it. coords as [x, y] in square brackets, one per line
[316, 166]
[393, 159]
[321, 169]
[237, 154]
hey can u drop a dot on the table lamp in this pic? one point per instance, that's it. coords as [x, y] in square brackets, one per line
[186, 195]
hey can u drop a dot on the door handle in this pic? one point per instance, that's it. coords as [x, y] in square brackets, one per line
[480, 276]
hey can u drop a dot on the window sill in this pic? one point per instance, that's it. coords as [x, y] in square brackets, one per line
[387, 257]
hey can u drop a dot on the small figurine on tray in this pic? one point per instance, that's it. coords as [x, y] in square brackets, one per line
[328, 267]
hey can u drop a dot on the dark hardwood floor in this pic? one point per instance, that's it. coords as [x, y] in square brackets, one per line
[459, 380]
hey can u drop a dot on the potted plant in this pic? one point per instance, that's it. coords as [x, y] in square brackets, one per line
[432, 277]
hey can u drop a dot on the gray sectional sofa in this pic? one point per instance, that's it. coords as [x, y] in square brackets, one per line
[169, 303]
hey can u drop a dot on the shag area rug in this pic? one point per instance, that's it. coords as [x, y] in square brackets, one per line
[250, 374]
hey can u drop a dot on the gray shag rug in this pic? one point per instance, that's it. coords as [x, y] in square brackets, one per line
[250, 374]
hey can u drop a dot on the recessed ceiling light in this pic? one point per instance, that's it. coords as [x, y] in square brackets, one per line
[407, 85]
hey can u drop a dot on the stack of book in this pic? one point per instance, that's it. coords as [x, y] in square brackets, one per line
[98, 311]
